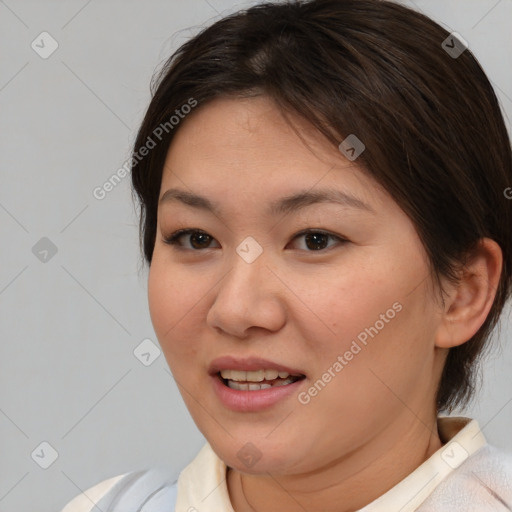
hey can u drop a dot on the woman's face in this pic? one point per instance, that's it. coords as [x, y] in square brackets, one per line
[347, 308]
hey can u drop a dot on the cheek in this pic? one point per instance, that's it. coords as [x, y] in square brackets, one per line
[175, 305]
[373, 316]
[385, 343]
[347, 305]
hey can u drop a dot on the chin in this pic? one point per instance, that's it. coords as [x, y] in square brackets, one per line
[256, 457]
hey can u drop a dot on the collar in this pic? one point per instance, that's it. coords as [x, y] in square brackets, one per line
[202, 484]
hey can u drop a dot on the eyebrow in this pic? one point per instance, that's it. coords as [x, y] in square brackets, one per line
[282, 206]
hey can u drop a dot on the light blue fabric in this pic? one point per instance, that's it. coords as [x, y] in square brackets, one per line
[141, 491]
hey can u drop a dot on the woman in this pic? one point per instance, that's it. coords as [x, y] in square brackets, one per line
[323, 210]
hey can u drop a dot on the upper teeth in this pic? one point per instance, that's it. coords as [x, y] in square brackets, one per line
[256, 376]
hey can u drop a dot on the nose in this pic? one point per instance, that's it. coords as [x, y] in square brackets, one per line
[249, 297]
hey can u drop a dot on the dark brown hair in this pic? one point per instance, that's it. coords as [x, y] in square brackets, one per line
[431, 123]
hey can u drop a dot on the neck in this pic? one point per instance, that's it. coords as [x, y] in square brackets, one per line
[346, 484]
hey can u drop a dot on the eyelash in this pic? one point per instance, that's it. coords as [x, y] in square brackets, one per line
[173, 238]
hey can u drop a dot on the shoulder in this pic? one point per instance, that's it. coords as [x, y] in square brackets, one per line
[85, 500]
[483, 482]
[153, 488]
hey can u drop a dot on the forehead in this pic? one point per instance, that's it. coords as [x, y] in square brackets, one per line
[246, 147]
[243, 132]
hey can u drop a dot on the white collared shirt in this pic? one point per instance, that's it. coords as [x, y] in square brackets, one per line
[465, 475]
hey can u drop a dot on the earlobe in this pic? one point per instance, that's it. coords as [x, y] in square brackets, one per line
[469, 302]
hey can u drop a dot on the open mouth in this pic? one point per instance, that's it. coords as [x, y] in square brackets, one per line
[257, 380]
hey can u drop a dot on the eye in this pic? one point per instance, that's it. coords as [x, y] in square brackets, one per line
[315, 240]
[198, 239]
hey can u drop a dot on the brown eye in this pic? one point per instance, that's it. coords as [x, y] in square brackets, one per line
[197, 239]
[318, 240]
[200, 240]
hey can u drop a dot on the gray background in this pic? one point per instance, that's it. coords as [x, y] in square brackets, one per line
[70, 324]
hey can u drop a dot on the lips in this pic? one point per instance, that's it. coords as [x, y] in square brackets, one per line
[253, 374]
[242, 384]
[251, 364]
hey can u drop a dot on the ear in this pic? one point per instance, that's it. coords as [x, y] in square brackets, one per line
[467, 303]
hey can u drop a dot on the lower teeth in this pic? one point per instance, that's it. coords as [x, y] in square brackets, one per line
[255, 386]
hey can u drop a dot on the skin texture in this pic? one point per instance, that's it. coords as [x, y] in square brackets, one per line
[375, 421]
